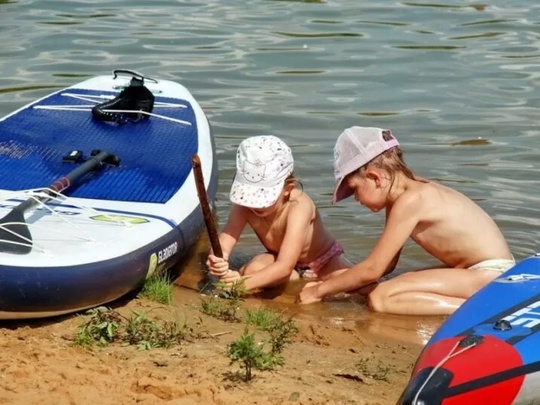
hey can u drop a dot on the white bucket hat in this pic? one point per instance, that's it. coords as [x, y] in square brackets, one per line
[262, 165]
[356, 147]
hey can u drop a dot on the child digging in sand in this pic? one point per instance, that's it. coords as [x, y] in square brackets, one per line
[284, 218]
[368, 164]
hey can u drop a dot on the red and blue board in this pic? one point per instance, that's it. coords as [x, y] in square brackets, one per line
[488, 351]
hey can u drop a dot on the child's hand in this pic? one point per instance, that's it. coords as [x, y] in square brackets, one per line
[217, 265]
[230, 277]
[308, 295]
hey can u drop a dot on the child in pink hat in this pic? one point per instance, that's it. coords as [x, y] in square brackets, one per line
[369, 165]
[285, 219]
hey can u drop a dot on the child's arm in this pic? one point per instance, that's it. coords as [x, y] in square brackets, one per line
[298, 222]
[230, 234]
[392, 266]
[228, 238]
[401, 222]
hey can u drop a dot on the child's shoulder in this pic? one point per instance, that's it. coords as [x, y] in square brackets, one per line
[301, 200]
[419, 194]
[425, 197]
[300, 195]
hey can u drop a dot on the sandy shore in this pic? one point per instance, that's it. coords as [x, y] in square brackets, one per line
[341, 355]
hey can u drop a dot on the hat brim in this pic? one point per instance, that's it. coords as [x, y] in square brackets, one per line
[248, 195]
[341, 191]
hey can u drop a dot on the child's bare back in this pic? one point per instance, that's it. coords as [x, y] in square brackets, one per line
[475, 236]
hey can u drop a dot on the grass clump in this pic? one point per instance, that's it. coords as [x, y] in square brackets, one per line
[147, 334]
[157, 288]
[226, 302]
[261, 318]
[107, 326]
[101, 329]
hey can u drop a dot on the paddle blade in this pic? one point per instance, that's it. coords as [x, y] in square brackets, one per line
[15, 236]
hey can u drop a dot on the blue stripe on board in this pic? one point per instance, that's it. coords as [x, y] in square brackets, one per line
[60, 289]
[155, 153]
[495, 301]
[38, 289]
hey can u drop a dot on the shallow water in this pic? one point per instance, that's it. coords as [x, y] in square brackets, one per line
[457, 82]
[346, 311]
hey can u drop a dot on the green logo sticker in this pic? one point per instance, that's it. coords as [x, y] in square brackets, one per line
[119, 218]
[152, 264]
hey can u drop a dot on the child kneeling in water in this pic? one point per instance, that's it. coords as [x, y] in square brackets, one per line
[285, 219]
[368, 164]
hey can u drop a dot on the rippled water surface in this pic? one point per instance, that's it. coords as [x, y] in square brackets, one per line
[456, 81]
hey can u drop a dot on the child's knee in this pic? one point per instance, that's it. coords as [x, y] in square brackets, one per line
[294, 276]
[257, 264]
[251, 268]
[376, 300]
[373, 303]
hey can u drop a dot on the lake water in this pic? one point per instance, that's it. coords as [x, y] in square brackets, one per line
[456, 81]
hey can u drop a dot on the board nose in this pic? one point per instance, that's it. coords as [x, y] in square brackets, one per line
[427, 387]
[466, 370]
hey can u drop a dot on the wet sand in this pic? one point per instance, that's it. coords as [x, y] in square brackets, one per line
[343, 354]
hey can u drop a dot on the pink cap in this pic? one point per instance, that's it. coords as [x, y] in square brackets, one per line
[263, 163]
[356, 147]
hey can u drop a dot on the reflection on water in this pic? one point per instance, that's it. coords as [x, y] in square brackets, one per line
[415, 330]
[458, 84]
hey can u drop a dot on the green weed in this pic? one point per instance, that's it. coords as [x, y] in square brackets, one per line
[235, 291]
[225, 303]
[101, 329]
[262, 318]
[254, 355]
[281, 331]
[158, 288]
[147, 334]
[107, 326]
[250, 354]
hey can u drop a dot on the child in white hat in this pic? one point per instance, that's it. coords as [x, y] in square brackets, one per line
[448, 225]
[285, 219]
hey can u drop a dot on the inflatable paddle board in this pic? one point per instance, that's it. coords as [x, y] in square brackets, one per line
[97, 191]
[488, 351]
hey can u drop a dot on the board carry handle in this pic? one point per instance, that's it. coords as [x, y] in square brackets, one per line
[132, 73]
[15, 236]
[136, 97]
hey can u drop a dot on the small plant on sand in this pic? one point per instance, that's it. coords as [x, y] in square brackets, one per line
[250, 354]
[376, 371]
[157, 288]
[147, 334]
[234, 291]
[281, 331]
[262, 318]
[226, 302]
[253, 355]
[102, 328]
[281, 334]
[107, 326]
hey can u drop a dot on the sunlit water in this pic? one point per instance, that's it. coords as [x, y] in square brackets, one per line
[457, 82]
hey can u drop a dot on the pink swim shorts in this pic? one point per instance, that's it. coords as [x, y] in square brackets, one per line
[316, 265]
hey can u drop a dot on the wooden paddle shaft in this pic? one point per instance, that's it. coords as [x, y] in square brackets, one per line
[205, 206]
